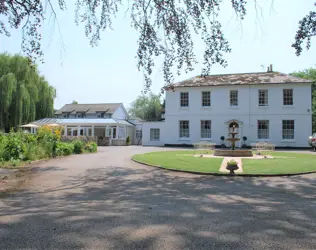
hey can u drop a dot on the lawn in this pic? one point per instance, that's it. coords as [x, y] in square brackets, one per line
[181, 160]
[283, 163]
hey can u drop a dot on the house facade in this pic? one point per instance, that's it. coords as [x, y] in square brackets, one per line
[269, 106]
[108, 122]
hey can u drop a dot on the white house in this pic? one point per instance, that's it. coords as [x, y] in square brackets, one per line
[107, 121]
[268, 106]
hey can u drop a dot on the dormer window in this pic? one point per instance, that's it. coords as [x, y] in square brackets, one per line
[101, 114]
[81, 115]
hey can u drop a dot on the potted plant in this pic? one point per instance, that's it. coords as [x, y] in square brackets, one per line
[223, 139]
[232, 165]
[244, 139]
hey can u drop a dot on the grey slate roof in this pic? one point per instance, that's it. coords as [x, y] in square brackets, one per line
[109, 108]
[81, 121]
[240, 79]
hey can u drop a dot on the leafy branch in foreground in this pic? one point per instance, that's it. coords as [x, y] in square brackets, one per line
[165, 27]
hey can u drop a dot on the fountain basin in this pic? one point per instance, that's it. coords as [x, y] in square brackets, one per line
[233, 153]
[232, 139]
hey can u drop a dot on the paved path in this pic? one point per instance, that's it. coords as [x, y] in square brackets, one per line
[105, 201]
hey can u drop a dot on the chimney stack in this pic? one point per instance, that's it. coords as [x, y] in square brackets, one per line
[270, 68]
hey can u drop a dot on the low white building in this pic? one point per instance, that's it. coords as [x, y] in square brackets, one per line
[108, 122]
[269, 106]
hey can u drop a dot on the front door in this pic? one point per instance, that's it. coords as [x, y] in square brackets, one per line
[113, 132]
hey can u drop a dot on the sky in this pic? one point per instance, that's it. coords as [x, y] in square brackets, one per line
[108, 73]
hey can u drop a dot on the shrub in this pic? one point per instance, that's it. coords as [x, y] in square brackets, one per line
[91, 147]
[64, 148]
[3, 142]
[128, 140]
[14, 148]
[78, 146]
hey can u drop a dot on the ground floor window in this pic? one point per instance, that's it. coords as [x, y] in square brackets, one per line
[138, 134]
[121, 132]
[206, 129]
[263, 129]
[184, 129]
[154, 134]
[288, 129]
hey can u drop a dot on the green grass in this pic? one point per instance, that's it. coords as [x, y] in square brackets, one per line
[283, 163]
[181, 160]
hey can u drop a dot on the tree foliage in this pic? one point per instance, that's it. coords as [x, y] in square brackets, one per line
[311, 75]
[24, 94]
[165, 29]
[146, 107]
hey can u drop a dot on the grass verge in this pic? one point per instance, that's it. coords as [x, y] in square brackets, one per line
[283, 163]
[181, 160]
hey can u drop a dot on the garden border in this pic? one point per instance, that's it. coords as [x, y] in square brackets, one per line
[221, 174]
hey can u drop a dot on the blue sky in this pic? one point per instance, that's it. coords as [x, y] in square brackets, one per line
[108, 73]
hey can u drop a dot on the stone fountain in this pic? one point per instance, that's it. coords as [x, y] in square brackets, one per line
[233, 151]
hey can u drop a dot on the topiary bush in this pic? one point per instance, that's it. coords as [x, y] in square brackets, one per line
[91, 147]
[64, 148]
[78, 146]
[128, 140]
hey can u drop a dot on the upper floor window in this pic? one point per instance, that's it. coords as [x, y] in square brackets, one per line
[287, 97]
[81, 115]
[288, 129]
[184, 99]
[233, 98]
[206, 129]
[154, 134]
[184, 129]
[206, 99]
[263, 97]
[263, 129]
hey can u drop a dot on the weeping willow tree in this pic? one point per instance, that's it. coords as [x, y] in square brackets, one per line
[25, 95]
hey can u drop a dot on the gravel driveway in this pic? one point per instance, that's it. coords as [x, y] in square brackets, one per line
[106, 201]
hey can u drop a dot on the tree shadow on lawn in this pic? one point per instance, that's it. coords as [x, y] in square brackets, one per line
[119, 208]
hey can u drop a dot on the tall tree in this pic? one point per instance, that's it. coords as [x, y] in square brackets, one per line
[165, 28]
[311, 75]
[146, 107]
[24, 94]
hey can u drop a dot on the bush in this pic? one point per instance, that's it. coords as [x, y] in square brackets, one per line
[64, 148]
[128, 140]
[91, 147]
[78, 146]
[14, 148]
[3, 143]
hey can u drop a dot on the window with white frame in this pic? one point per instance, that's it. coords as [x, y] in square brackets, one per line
[206, 126]
[184, 129]
[287, 97]
[263, 97]
[154, 134]
[288, 127]
[233, 96]
[263, 129]
[184, 99]
[121, 132]
[138, 134]
[206, 99]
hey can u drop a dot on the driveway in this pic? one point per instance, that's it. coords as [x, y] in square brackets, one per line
[106, 201]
